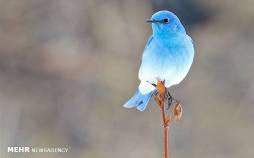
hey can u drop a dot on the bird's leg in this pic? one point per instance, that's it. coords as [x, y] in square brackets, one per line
[170, 99]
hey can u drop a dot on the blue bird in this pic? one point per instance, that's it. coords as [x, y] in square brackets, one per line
[167, 56]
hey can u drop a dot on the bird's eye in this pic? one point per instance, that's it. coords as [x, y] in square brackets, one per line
[166, 20]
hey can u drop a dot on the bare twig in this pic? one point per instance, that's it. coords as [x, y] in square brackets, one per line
[160, 100]
[177, 112]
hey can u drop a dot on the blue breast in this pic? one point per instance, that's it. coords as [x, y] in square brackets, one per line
[167, 59]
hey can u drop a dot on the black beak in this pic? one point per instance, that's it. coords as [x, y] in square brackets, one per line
[150, 20]
[153, 21]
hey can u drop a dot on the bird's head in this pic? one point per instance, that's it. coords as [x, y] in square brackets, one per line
[165, 22]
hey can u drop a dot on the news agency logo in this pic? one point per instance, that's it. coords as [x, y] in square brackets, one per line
[19, 149]
[26, 149]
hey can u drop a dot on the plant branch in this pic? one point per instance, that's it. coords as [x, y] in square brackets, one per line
[160, 99]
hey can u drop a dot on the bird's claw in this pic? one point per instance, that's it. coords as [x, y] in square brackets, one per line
[170, 99]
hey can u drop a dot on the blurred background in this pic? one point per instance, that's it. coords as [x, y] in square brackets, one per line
[67, 67]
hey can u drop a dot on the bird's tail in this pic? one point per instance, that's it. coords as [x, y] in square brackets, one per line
[139, 100]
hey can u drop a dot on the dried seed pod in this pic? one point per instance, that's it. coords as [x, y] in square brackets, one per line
[177, 111]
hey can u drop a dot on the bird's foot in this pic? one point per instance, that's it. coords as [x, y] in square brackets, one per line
[169, 99]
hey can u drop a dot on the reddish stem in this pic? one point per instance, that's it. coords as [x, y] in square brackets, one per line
[160, 99]
[166, 142]
[166, 127]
